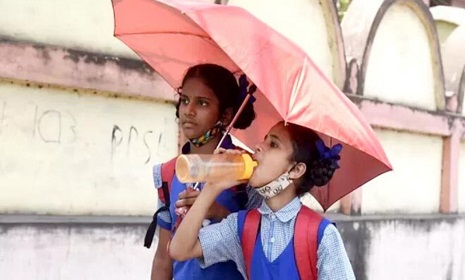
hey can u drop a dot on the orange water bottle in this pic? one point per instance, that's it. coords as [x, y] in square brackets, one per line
[193, 168]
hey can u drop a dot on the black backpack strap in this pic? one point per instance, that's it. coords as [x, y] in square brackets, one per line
[150, 234]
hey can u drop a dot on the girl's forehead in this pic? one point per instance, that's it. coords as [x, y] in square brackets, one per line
[280, 132]
[196, 87]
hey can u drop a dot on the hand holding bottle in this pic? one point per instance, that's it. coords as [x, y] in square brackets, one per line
[188, 197]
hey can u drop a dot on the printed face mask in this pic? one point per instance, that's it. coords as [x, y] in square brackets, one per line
[207, 136]
[275, 187]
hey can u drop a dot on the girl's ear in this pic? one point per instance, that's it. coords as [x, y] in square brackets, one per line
[227, 116]
[297, 171]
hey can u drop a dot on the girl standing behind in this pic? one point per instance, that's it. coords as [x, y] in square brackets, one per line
[209, 98]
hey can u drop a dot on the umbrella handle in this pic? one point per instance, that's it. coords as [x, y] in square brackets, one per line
[230, 126]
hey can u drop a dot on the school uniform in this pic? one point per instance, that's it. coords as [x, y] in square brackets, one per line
[273, 256]
[191, 269]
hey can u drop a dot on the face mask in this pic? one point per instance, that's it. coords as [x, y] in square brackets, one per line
[275, 187]
[207, 136]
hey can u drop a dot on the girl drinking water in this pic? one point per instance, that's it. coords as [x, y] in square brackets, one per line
[291, 160]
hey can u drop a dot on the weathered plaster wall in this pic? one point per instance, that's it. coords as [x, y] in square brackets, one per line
[400, 68]
[414, 186]
[84, 25]
[421, 247]
[80, 152]
[73, 251]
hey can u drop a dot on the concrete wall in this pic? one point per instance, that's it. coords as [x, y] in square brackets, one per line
[88, 248]
[71, 152]
[414, 186]
[394, 58]
[400, 51]
[80, 128]
[419, 247]
[57, 249]
[396, 47]
[84, 25]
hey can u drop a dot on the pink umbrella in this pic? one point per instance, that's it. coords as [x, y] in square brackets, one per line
[173, 35]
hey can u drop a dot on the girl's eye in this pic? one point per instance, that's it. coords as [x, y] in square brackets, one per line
[203, 103]
[273, 144]
[184, 100]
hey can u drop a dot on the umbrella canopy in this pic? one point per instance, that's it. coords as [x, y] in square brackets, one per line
[173, 35]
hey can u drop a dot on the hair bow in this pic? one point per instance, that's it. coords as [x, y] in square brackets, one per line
[331, 154]
[245, 89]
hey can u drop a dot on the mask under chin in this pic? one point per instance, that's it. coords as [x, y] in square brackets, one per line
[207, 136]
[275, 187]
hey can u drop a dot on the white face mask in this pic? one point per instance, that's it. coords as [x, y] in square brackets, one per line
[275, 187]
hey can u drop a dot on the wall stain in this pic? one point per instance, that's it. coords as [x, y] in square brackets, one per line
[100, 59]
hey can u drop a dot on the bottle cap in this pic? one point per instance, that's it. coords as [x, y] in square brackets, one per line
[249, 165]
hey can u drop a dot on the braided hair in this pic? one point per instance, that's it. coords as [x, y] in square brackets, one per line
[321, 161]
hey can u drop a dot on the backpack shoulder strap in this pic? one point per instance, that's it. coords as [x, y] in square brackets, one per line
[167, 173]
[306, 242]
[248, 225]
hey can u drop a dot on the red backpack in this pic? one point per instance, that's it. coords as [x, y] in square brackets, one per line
[167, 173]
[309, 228]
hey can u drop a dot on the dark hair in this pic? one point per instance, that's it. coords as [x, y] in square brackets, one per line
[319, 171]
[225, 87]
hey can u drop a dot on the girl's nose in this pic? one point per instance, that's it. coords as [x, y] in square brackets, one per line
[190, 110]
[258, 148]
